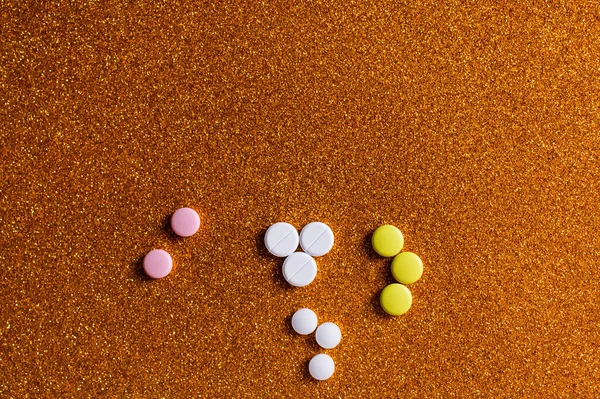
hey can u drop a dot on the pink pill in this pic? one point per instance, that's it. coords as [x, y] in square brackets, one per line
[185, 222]
[158, 263]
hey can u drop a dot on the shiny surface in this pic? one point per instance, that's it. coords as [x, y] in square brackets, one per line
[474, 128]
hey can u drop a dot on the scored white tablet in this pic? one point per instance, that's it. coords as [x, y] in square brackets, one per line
[316, 239]
[281, 239]
[299, 269]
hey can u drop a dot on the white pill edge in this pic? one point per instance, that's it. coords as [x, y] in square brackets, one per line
[319, 363]
[292, 230]
[307, 248]
[322, 329]
[310, 263]
[300, 316]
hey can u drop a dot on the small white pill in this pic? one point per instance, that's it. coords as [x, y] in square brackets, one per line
[316, 239]
[281, 239]
[328, 335]
[299, 269]
[304, 321]
[321, 367]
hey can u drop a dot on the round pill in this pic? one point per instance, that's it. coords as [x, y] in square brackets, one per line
[407, 268]
[185, 222]
[299, 269]
[328, 335]
[387, 240]
[321, 367]
[158, 263]
[304, 321]
[316, 239]
[281, 239]
[395, 299]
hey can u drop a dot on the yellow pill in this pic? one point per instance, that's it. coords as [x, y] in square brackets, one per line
[387, 240]
[395, 299]
[407, 267]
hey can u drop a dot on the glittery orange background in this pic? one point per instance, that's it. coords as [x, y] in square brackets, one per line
[473, 128]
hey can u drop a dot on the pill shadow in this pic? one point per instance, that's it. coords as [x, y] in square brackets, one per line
[166, 228]
[305, 373]
[368, 247]
[386, 276]
[260, 245]
[376, 305]
[288, 325]
[262, 251]
[311, 342]
[138, 270]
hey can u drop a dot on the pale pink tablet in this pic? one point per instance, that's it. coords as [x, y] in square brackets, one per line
[185, 222]
[158, 263]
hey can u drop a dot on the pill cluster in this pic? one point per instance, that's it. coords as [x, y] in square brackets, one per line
[300, 269]
[407, 268]
[328, 336]
[158, 263]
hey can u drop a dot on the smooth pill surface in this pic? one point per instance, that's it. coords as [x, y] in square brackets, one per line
[304, 321]
[299, 269]
[321, 367]
[395, 299]
[328, 335]
[407, 267]
[387, 240]
[281, 239]
[316, 239]
[158, 263]
[185, 222]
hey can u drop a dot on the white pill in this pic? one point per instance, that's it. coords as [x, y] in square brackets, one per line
[328, 335]
[316, 239]
[281, 239]
[299, 269]
[304, 321]
[321, 367]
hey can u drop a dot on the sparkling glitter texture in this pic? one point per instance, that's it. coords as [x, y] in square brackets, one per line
[473, 128]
